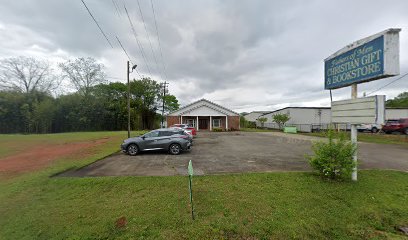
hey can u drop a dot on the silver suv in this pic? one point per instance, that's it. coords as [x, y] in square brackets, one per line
[172, 140]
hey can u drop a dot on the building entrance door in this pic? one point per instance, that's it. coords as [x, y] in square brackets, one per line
[203, 124]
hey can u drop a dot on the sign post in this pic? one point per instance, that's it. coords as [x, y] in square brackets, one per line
[190, 178]
[354, 135]
[365, 60]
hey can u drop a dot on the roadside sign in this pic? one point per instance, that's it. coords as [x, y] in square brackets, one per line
[367, 110]
[190, 178]
[367, 59]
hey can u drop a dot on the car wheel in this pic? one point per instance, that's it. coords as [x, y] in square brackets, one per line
[406, 131]
[387, 132]
[174, 149]
[132, 149]
[374, 130]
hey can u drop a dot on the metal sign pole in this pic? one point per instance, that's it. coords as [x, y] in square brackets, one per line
[354, 135]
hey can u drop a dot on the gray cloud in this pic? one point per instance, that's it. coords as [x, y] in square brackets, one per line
[246, 55]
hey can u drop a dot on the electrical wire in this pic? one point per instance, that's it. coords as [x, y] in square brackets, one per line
[124, 50]
[116, 8]
[148, 37]
[137, 40]
[386, 85]
[158, 39]
[97, 24]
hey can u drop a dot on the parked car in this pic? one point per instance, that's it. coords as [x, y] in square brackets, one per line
[369, 127]
[186, 127]
[172, 140]
[400, 125]
[189, 134]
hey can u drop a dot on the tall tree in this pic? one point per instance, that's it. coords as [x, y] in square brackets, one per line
[83, 73]
[27, 74]
[171, 103]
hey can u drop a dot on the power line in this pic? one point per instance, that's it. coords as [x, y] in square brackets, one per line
[124, 50]
[137, 40]
[158, 39]
[97, 24]
[116, 7]
[148, 37]
[386, 85]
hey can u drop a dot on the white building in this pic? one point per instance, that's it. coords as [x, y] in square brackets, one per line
[396, 113]
[307, 119]
[253, 116]
[304, 118]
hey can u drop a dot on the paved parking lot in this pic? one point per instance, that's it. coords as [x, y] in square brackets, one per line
[236, 152]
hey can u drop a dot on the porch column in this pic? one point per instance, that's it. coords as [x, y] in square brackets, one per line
[226, 122]
[210, 123]
[181, 119]
[197, 123]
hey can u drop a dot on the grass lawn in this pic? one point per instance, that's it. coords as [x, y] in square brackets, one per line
[371, 138]
[258, 130]
[248, 206]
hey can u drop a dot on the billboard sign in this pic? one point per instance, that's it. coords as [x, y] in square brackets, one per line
[365, 60]
[367, 110]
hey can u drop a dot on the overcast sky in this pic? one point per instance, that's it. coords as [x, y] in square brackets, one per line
[245, 55]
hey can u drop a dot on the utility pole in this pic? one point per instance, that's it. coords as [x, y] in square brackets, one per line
[164, 86]
[128, 92]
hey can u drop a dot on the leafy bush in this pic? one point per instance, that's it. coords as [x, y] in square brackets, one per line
[262, 120]
[217, 129]
[333, 159]
[280, 119]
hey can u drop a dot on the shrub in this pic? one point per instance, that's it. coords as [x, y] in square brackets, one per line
[280, 119]
[217, 129]
[262, 120]
[333, 159]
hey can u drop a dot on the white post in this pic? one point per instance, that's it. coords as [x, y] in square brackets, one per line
[197, 123]
[210, 123]
[181, 119]
[354, 134]
[226, 123]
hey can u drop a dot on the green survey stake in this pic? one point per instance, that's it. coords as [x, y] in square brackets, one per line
[190, 178]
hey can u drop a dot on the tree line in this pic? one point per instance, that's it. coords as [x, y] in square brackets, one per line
[400, 101]
[28, 103]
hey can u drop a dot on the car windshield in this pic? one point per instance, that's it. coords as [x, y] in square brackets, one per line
[392, 121]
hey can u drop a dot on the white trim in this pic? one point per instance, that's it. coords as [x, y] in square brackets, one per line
[197, 123]
[207, 103]
[210, 123]
[226, 122]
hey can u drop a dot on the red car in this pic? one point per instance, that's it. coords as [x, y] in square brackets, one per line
[186, 127]
[400, 125]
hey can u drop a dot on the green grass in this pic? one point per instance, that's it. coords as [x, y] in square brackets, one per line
[13, 143]
[371, 138]
[257, 206]
[258, 130]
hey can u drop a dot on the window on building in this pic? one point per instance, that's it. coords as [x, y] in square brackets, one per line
[191, 122]
[216, 123]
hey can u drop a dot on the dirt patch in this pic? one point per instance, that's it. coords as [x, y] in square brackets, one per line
[30, 159]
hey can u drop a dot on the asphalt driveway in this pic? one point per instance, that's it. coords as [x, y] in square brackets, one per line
[237, 152]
